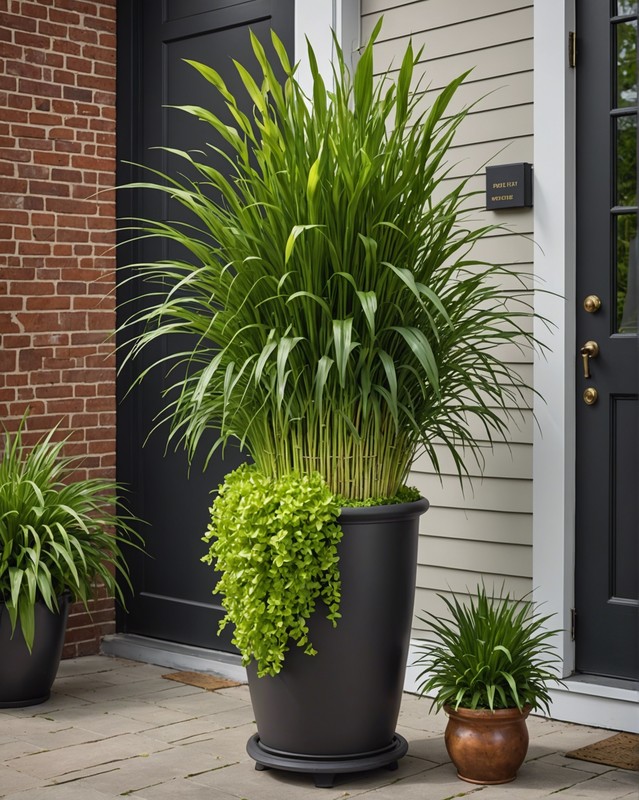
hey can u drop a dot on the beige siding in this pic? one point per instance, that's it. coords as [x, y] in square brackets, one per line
[484, 529]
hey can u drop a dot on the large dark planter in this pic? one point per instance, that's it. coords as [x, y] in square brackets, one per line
[487, 746]
[26, 678]
[337, 711]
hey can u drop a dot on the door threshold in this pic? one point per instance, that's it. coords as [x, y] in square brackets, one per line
[603, 686]
[181, 657]
[599, 702]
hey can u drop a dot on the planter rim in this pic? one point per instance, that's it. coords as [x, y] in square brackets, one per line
[498, 715]
[366, 514]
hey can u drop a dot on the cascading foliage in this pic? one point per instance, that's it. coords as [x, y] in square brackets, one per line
[340, 322]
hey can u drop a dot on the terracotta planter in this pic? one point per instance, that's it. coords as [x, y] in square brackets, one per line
[487, 746]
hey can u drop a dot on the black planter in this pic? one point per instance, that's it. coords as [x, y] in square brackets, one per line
[337, 711]
[26, 678]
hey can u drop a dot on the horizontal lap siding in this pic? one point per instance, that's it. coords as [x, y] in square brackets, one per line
[57, 222]
[484, 529]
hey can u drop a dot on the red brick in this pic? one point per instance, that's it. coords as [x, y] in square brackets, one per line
[98, 24]
[64, 77]
[42, 234]
[63, 16]
[59, 36]
[66, 146]
[48, 303]
[108, 11]
[11, 304]
[66, 405]
[95, 82]
[75, 64]
[106, 70]
[14, 154]
[85, 110]
[33, 10]
[33, 171]
[52, 159]
[47, 392]
[13, 186]
[17, 22]
[10, 50]
[23, 70]
[40, 88]
[8, 361]
[71, 206]
[26, 393]
[21, 101]
[49, 188]
[20, 340]
[75, 93]
[35, 144]
[53, 339]
[31, 287]
[29, 131]
[85, 390]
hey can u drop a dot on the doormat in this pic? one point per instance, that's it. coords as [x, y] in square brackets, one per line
[200, 679]
[620, 750]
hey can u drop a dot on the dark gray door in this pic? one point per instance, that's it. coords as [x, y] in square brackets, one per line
[173, 589]
[607, 433]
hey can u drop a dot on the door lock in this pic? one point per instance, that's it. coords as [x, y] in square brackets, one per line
[588, 351]
[590, 396]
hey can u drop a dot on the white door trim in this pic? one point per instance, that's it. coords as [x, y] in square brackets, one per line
[554, 226]
[314, 21]
[587, 700]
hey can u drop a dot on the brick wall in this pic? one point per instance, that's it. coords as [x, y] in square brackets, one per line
[57, 150]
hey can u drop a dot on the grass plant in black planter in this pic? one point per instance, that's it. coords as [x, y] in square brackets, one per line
[488, 667]
[334, 323]
[60, 538]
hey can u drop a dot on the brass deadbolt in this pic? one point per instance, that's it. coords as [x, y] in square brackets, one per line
[590, 396]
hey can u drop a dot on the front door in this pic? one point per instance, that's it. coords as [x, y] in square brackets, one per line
[173, 589]
[607, 358]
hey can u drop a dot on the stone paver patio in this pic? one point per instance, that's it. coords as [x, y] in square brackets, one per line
[116, 728]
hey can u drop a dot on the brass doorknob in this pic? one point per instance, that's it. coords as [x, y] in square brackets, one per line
[592, 303]
[588, 351]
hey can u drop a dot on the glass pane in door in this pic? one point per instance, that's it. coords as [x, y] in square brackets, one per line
[627, 273]
[626, 46]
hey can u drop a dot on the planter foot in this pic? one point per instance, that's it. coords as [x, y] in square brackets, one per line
[324, 780]
[392, 766]
[325, 769]
[261, 767]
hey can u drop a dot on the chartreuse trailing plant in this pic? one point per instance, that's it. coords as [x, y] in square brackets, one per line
[493, 652]
[327, 309]
[275, 543]
[57, 533]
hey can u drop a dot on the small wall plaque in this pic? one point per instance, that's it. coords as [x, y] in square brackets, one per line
[509, 186]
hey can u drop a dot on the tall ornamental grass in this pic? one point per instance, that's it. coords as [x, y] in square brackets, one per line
[331, 315]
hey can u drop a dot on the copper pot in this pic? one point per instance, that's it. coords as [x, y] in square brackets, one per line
[487, 746]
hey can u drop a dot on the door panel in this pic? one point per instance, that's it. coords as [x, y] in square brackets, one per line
[607, 519]
[173, 590]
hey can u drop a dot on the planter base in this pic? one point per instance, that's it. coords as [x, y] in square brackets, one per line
[325, 768]
[26, 677]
